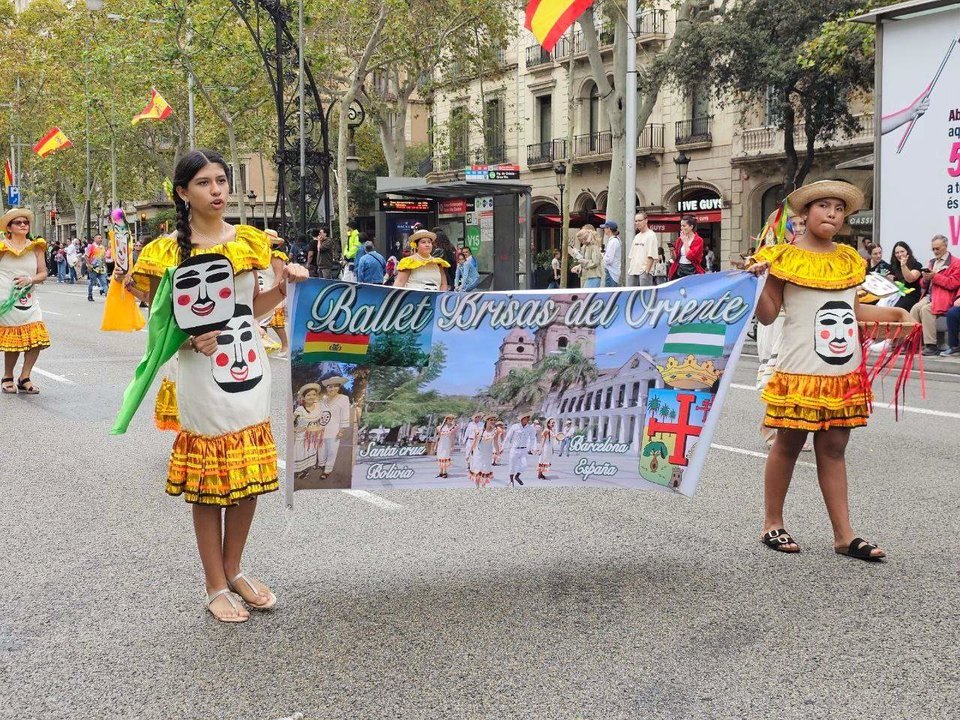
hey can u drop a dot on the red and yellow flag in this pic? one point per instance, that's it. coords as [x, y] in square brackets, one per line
[548, 20]
[7, 175]
[156, 109]
[53, 140]
[319, 346]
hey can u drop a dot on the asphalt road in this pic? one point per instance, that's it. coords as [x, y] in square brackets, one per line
[521, 603]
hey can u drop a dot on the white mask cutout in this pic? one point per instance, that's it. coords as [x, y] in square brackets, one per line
[237, 362]
[204, 297]
[836, 334]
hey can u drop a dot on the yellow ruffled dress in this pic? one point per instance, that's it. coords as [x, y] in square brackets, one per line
[224, 450]
[425, 273]
[819, 382]
[267, 279]
[22, 328]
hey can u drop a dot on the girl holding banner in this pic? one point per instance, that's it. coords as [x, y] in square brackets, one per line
[224, 455]
[820, 384]
[23, 265]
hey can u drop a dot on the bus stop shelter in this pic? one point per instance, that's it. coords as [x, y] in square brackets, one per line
[491, 217]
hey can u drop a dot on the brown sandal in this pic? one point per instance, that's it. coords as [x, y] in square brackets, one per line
[7, 387]
[27, 387]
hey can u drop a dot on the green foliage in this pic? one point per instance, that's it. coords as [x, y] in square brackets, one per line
[527, 388]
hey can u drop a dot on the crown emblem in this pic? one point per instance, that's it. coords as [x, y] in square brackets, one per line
[689, 374]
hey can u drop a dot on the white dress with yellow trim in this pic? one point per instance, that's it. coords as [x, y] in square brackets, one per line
[267, 279]
[22, 328]
[819, 382]
[425, 273]
[224, 451]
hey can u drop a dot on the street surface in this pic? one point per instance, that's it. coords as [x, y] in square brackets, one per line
[523, 603]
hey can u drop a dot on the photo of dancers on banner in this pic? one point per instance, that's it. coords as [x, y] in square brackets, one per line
[396, 388]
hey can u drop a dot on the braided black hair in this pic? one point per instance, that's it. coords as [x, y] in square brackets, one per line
[189, 165]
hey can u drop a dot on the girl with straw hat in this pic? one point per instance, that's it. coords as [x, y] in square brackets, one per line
[819, 384]
[445, 433]
[485, 444]
[421, 270]
[23, 265]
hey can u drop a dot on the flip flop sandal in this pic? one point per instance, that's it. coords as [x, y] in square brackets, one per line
[860, 549]
[271, 598]
[233, 603]
[7, 387]
[25, 386]
[778, 539]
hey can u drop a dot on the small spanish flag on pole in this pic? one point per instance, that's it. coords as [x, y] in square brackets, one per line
[7, 175]
[156, 109]
[548, 20]
[53, 140]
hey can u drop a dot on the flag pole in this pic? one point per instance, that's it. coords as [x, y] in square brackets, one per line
[630, 110]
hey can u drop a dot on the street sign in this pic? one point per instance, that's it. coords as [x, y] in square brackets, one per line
[13, 195]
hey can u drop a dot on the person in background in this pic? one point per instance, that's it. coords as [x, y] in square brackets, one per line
[353, 244]
[906, 269]
[612, 254]
[467, 277]
[710, 260]
[390, 273]
[446, 251]
[591, 263]
[421, 269]
[877, 263]
[643, 254]
[688, 250]
[554, 271]
[73, 258]
[96, 266]
[940, 282]
[660, 268]
[323, 256]
[60, 256]
[371, 267]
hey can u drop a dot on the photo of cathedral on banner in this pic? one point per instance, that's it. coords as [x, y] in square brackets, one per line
[396, 388]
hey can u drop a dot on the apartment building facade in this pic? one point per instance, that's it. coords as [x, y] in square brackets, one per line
[519, 114]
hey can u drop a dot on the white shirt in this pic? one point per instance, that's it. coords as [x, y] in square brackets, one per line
[71, 254]
[555, 264]
[519, 437]
[644, 246]
[612, 256]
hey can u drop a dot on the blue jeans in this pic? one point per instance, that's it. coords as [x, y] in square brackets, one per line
[608, 280]
[953, 327]
[61, 270]
[94, 279]
[71, 274]
[591, 282]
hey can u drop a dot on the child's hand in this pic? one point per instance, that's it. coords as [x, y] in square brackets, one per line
[758, 269]
[206, 343]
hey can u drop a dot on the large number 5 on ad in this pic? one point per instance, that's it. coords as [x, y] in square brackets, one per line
[954, 160]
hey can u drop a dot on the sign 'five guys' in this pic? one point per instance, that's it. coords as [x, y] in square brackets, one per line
[205, 299]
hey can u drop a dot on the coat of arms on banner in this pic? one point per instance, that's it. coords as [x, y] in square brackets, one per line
[397, 388]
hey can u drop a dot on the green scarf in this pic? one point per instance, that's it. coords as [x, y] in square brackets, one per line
[164, 339]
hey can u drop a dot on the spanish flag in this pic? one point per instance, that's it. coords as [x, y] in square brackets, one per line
[7, 175]
[548, 20]
[326, 346]
[156, 109]
[53, 140]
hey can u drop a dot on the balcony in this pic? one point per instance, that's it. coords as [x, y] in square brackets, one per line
[546, 153]
[537, 56]
[768, 140]
[592, 145]
[652, 25]
[694, 132]
[651, 139]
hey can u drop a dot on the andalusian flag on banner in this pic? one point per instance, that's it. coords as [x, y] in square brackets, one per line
[548, 20]
[322, 346]
[53, 140]
[156, 109]
[7, 175]
[695, 339]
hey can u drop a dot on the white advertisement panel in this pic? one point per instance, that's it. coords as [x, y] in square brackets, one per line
[920, 126]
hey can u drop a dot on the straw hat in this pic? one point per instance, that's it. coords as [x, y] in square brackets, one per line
[334, 380]
[273, 236]
[12, 214]
[525, 415]
[420, 235]
[840, 189]
[488, 418]
[307, 388]
[449, 416]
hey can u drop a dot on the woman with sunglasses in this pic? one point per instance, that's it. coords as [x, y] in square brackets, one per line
[22, 331]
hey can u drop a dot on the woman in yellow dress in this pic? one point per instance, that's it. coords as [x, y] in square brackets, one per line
[420, 270]
[819, 384]
[224, 455]
[23, 266]
[277, 320]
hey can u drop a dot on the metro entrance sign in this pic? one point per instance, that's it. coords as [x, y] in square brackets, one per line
[492, 172]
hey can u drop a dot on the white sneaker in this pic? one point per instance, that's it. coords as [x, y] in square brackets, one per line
[879, 346]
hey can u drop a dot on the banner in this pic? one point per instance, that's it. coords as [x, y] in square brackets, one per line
[919, 160]
[399, 389]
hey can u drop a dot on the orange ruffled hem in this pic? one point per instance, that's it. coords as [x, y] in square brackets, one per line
[225, 469]
[816, 402]
[21, 338]
[166, 413]
[279, 319]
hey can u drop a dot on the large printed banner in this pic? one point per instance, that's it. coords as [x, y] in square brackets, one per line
[919, 164]
[396, 388]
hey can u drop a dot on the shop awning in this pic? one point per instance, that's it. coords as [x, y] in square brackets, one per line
[670, 222]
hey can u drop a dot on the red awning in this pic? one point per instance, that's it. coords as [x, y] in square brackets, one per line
[670, 222]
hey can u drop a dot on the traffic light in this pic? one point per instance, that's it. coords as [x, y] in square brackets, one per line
[53, 217]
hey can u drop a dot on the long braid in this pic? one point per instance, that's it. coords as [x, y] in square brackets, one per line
[184, 240]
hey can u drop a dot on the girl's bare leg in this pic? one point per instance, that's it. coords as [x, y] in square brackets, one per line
[207, 526]
[830, 446]
[776, 478]
[237, 521]
[29, 360]
[282, 334]
[9, 363]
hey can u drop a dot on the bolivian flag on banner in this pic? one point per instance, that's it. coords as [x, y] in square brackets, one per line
[53, 140]
[156, 109]
[696, 339]
[321, 346]
[548, 20]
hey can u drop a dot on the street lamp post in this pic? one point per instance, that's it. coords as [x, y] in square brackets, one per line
[252, 197]
[682, 162]
[560, 170]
